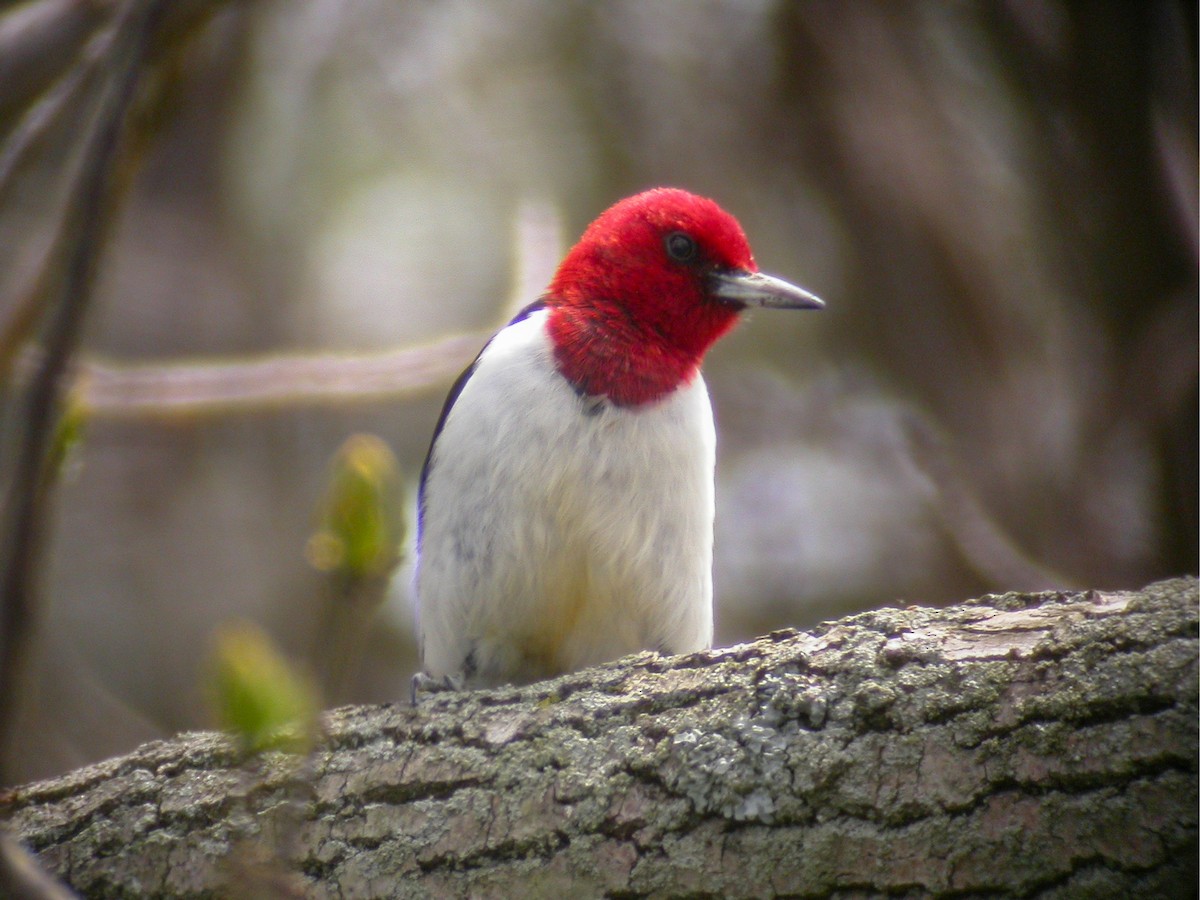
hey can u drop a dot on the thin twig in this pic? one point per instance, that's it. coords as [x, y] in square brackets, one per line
[171, 390]
[82, 240]
[38, 118]
[20, 316]
[176, 21]
[22, 877]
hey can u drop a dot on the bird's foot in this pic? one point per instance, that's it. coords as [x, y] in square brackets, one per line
[424, 683]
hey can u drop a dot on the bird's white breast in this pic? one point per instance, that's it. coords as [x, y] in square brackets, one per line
[558, 530]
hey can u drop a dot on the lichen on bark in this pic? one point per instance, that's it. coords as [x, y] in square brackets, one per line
[1016, 744]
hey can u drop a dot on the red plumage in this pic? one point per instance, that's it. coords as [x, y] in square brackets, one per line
[630, 322]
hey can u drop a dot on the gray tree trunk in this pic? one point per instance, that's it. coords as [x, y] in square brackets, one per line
[1022, 745]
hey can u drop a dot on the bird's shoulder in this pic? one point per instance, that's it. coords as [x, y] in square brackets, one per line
[530, 314]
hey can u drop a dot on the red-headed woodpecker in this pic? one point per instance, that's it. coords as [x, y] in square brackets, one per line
[566, 504]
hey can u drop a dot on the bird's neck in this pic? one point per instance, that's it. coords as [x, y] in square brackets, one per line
[604, 352]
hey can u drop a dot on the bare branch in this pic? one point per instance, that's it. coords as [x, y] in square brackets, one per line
[82, 240]
[211, 388]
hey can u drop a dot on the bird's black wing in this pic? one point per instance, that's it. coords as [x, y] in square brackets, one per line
[455, 390]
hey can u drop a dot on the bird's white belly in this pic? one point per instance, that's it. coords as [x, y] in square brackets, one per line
[559, 532]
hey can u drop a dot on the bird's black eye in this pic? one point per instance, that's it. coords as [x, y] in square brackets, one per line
[681, 247]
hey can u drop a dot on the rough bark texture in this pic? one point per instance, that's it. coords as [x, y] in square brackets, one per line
[1019, 745]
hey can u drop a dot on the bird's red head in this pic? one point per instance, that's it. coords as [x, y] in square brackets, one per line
[653, 282]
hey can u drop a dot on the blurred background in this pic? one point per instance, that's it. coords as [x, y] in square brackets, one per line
[998, 202]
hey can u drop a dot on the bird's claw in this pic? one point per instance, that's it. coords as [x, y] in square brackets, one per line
[424, 683]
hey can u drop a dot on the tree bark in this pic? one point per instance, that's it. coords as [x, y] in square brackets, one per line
[1015, 745]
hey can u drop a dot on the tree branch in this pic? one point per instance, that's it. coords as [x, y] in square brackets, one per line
[1013, 744]
[169, 390]
[23, 511]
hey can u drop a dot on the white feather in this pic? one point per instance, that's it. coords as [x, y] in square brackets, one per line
[553, 538]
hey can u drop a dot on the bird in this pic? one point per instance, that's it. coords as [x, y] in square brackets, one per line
[566, 504]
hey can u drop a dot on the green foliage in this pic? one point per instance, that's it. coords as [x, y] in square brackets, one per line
[362, 525]
[68, 435]
[258, 696]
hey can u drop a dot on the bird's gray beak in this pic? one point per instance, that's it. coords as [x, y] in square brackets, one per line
[757, 289]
